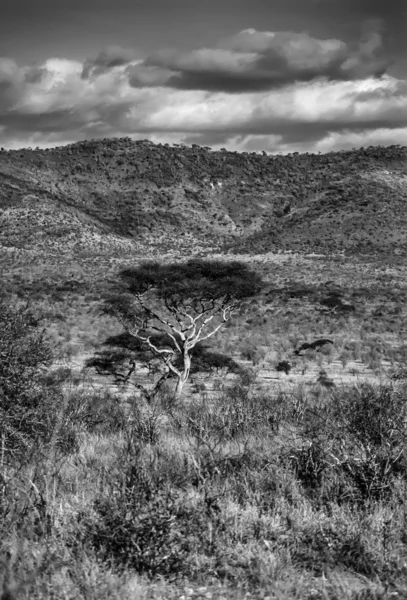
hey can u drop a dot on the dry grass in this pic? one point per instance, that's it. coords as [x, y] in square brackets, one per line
[232, 508]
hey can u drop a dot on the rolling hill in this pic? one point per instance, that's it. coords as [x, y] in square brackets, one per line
[118, 197]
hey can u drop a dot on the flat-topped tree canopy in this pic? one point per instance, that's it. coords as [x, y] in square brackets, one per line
[205, 280]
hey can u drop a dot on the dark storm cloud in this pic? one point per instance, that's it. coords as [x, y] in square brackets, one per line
[61, 104]
[55, 121]
[392, 14]
[294, 134]
[112, 56]
[257, 61]
[65, 120]
[146, 75]
[293, 131]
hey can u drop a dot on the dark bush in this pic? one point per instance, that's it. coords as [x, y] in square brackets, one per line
[373, 415]
[95, 411]
[353, 445]
[29, 400]
[143, 525]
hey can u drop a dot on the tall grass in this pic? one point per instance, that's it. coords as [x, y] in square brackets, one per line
[246, 495]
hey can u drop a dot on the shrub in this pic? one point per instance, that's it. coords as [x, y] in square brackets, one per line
[375, 420]
[28, 399]
[373, 415]
[95, 411]
[252, 352]
[353, 445]
[136, 527]
[144, 526]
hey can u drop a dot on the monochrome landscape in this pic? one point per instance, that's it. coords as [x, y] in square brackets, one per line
[203, 301]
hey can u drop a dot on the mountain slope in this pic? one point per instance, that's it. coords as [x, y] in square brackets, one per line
[120, 196]
[364, 213]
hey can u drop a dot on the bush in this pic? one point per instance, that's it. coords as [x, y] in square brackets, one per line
[95, 411]
[252, 352]
[143, 525]
[375, 419]
[136, 527]
[28, 399]
[373, 415]
[353, 445]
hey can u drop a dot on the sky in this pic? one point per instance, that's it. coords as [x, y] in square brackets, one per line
[248, 75]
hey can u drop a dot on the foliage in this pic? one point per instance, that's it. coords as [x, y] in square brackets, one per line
[243, 497]
[136, 527]
[354, 447]
[27, 396]
[94, 411]
[184, 286]
[141, 525]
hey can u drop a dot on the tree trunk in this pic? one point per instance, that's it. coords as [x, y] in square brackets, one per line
[184, 375]
[179, 387]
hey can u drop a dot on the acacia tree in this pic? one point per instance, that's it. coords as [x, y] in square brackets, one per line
[167, 311]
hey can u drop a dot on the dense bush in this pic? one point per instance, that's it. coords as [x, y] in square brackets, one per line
[30, 402]
[354, 446]
[144, 525]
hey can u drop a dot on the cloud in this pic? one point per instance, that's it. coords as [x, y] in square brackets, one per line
[263, 60]
[53, 103]
[110, 57]
[11, 82]
[34, 74]
[144, 75]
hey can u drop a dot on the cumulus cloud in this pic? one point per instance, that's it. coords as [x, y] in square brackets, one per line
[263, 60]
[54, 103]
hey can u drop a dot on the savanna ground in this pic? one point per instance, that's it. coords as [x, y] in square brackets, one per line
[263, 486]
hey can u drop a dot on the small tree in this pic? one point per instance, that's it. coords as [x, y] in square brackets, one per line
[169, 310]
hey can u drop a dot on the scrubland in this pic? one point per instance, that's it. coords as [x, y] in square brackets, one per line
[246, 496]
[288, 487]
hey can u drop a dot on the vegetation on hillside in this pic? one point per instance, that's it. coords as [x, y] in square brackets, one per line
[118, 195]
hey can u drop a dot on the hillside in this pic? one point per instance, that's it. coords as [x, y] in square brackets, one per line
[118, 196]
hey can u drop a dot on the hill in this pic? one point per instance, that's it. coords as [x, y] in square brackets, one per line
[118, 196]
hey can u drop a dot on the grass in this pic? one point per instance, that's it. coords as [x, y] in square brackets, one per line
[246, 496]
